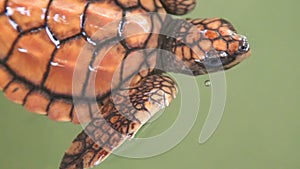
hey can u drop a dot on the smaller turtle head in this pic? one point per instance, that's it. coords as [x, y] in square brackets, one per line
[208, 45]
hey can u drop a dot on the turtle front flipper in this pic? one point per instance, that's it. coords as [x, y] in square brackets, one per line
[178, 7]
[121, 116]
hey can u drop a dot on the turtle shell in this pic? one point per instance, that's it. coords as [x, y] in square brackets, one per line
[54, 51]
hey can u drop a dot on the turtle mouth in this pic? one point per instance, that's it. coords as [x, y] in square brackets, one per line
[221, 61]
[238, 59]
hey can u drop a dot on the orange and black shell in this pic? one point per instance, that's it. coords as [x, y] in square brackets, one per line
[43, 42]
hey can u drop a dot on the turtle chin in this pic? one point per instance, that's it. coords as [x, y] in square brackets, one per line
[219, 62]
[238, 59]
[208, 65]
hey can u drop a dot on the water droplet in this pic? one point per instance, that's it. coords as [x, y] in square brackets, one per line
[23, 11]
[91, 41]
[52, 38]
[13, 24]
[9, 11]
[92, 69]
[56, 64]
[223, 54]
[207, 83]
[22, 50]
[198, 60]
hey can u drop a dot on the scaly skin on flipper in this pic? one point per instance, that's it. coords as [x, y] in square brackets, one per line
[119, 118]
[179, 7]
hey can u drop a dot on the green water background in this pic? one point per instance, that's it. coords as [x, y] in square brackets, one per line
[260, 128]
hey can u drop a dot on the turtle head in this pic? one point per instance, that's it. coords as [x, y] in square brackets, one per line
[207, 45]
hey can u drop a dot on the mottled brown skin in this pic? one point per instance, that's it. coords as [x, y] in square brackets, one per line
[45, 43]
[202, 46]
[179, 7]
[119, 118]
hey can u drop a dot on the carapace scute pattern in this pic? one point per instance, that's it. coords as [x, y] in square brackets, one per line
[115, 47]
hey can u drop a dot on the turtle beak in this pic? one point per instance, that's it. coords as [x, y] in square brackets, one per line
[244, 52]
[238, 59]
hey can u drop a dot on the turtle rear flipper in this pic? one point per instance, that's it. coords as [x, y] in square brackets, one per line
[121, 116]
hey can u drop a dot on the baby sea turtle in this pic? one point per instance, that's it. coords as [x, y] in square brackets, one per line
[104, 61]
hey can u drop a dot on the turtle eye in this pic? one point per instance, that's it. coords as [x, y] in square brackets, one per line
[244, 45]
